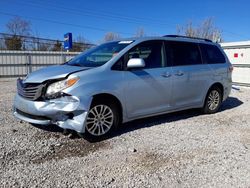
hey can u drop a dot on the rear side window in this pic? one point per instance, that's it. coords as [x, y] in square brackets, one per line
[183, 53]
[212, 54]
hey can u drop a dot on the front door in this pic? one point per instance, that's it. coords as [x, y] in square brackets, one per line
[148, 90]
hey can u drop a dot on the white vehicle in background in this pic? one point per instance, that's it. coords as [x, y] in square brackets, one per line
[239, 55]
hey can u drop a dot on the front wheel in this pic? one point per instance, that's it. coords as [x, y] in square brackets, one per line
[102, 118]
[213, 101]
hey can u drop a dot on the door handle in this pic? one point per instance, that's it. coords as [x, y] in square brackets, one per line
[179, 73]
[166, 75]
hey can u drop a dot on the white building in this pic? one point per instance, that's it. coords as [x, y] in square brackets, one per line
[239, 55]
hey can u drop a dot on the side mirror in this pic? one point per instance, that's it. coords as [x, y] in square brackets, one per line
[136, 63]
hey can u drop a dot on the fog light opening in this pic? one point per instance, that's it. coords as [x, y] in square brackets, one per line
[70, 115]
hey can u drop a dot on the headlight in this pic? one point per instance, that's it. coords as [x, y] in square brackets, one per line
[61, 85]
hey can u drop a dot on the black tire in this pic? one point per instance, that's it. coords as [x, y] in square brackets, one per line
[110, 106]
[213, 101]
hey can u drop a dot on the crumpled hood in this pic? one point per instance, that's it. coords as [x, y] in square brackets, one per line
[52, 72]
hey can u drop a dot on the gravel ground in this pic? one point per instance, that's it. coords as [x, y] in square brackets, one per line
[184, 149]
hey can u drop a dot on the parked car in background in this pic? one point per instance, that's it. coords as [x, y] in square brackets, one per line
[124, 80]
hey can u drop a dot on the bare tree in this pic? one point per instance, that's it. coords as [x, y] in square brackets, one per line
[140, 32]
[17, 27]
[110, 36]
[80, 44]
[13, 43]
[206, 29]
[188, 30]
[57, 46]
[43, 46]
[37, 43]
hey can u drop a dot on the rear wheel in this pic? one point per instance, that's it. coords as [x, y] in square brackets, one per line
[102, 118]
[213, 100]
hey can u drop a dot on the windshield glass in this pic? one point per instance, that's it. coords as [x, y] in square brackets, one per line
[99, 55]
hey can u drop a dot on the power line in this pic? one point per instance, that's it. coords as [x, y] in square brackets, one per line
[124, 18]
[236, 34]
[99, 14]
[61, 23]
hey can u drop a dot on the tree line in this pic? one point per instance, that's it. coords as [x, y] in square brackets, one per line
[19, 36]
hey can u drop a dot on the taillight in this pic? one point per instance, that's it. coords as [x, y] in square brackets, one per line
[231, 68]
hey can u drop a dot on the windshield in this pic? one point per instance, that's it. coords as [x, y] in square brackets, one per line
[99, 55]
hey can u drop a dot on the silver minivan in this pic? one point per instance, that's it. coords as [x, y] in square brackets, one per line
[124, 80]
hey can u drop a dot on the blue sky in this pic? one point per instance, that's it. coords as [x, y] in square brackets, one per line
[92, 19]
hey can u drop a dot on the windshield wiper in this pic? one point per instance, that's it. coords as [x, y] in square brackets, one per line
[75, 64]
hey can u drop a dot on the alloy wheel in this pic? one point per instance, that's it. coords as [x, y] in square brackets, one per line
[213, 100]
[100, 120]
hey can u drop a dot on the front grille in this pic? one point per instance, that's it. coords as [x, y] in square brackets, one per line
[31, 91]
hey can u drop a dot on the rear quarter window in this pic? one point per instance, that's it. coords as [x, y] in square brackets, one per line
[211, 54]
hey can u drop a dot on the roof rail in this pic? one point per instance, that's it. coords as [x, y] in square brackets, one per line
[181, 36]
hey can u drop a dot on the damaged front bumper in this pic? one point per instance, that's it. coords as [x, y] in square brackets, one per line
[66, 112]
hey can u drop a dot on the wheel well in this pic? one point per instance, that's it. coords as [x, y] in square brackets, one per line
[106, 96]
[220, 86]
[217, 84]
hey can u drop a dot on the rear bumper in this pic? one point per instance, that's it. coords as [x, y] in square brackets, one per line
[227, 91]
[66, 112]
